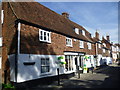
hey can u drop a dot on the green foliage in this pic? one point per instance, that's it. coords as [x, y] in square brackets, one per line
[63, 62]
[61, 57]
[8, 86]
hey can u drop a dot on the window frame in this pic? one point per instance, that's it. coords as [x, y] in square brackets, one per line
[44, 36]
[89, 45]
[83, 32]
[47, 65]
[99, 45]
[76, 30]
[69, 42]
[81, 44]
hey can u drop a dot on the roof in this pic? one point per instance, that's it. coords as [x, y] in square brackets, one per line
[108, 44]
[36, 13]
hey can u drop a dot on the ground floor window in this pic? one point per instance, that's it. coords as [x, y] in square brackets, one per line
[69, 62]
[45, 65]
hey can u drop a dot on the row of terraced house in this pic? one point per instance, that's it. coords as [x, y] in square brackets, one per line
[36, 41]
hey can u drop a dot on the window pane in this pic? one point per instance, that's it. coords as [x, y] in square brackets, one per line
[45, 36]
[42, 61]
[47, 62]
[48, 38]
[43, 69]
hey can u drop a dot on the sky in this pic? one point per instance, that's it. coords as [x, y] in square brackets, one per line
[101, 16]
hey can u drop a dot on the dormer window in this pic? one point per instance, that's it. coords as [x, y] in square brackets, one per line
[104, 44]
[76, 30]
[83, 32]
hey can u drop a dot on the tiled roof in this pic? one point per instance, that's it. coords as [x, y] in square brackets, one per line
[36, 13]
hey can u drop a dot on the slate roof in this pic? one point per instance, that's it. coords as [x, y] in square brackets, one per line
[38, 14]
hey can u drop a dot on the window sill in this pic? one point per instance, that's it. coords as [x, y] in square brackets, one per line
[69, 46]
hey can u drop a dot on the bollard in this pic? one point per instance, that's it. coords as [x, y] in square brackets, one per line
[5, 76]
[58, 76]
[78, 72]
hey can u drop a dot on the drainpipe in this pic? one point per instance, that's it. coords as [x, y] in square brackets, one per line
[96, 53]
[17, 51]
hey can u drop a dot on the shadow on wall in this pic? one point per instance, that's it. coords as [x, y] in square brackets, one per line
[30, 44]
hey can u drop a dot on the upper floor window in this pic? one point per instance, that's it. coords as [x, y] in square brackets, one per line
[103, 50]
[83, 32]
[89, 45]
[68, 42]
[44, 36]
[104, 44]
[2, 16]
[76, 30]
[99, 45]
[81, 44]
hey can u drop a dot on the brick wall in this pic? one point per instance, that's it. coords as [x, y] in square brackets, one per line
[29, 43]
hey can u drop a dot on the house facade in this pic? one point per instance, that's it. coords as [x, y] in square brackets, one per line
[35, 45]
[35, 48]
[98, 49]
[107, 55]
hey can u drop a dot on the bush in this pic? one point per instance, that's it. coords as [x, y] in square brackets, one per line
[8, 86]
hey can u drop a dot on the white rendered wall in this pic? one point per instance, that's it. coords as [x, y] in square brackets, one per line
[12, 67]
[99, 60]
[88, 62]
[30, 72]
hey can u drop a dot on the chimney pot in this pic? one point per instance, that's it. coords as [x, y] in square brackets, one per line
[65, 14]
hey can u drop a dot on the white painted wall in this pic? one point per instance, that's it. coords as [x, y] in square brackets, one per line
[88, 62]
[30, 72]
[99, 60]
[12, 67]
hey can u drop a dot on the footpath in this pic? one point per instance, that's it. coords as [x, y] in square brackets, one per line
[104, 77]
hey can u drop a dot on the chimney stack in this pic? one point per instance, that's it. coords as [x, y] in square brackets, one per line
[108, 38]
[65, 14]
[97, 34]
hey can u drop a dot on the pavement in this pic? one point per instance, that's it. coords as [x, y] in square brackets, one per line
[104, 77]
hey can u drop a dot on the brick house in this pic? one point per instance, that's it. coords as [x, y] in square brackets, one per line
[37, 41]
[115, 52]
[107, 53]
[98, 49]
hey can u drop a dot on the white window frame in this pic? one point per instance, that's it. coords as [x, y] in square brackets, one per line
[104, 50]
[99, 45]
[104, 44]
[0, 41]
[69, 42]
[83, 32]
[47, 36]
[42, 73]
[81, 44]
[89, 45]
[76, 30]
[2, 16]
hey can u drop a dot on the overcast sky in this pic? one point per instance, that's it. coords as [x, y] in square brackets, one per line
[91, 15]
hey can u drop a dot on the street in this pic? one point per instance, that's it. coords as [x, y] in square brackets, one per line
[105, 77]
